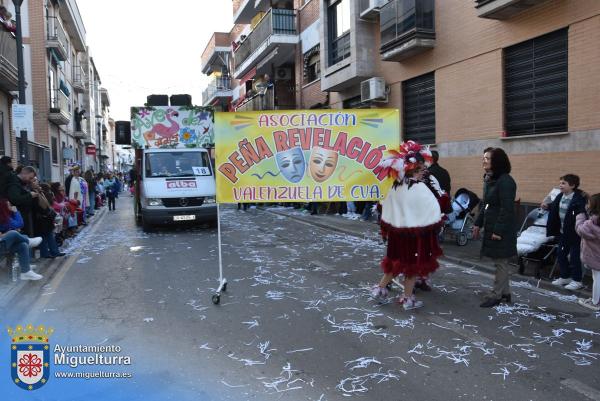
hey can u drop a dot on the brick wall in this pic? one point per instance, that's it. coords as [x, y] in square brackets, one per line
[469, 99]
[535, 174]
[312, 95]
[308, 14]
[584, 75]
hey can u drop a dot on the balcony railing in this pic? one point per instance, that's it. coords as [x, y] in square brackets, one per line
[60, 108]
[407, 28]
[216, 88]
[275, 22]
[267, 101]
[9, 80]
[79, 78]
[57, 37]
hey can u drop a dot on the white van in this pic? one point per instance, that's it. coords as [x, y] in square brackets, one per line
[174, 186]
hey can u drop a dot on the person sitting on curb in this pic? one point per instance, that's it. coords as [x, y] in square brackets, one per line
[11, 241]
[561, 225]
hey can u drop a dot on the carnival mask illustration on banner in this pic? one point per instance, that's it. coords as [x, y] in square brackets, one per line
[322, 163]
[292, 164]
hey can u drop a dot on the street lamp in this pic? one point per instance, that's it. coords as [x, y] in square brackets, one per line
[21, 76]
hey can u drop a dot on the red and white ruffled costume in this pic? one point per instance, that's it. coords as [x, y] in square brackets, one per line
[411, 220]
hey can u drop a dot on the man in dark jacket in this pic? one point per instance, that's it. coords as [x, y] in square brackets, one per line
[561, 224]
[21, 196]
[440, 173]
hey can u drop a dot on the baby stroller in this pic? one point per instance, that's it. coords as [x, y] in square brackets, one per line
[532, 243]
[460, 221]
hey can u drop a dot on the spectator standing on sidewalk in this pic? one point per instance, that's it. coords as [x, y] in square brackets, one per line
[91, 183]
[410, 222]
[45, 216]
[589, 231]
[498, 220]
[440, 173]
[74, 186]
[19, 193]
[561, 225]
[111, 187]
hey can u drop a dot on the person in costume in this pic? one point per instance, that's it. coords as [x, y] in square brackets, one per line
[410, 223]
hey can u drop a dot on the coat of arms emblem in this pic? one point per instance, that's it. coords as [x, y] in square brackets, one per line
[30, 356]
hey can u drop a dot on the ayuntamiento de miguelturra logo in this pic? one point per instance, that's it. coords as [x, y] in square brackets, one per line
[30, 355]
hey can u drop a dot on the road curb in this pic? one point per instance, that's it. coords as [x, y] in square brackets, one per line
[537, 283]
[51, 268]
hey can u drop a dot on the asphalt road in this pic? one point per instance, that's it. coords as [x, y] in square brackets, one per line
[296, 322]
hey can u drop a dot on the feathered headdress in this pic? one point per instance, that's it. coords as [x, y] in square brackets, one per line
[406, 158]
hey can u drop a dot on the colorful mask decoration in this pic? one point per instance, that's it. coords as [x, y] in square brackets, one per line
[322, 163]
[292, 164]
[406, 158]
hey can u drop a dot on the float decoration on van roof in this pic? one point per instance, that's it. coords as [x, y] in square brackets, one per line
[172, 127]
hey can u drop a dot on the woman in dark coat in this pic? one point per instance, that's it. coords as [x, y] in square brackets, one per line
[498, 220]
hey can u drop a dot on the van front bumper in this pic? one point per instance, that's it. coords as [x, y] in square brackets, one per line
[163, 215]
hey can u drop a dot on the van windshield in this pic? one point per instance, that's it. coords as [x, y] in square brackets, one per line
[176, 164]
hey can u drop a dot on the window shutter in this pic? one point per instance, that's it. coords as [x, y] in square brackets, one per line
[418, 108]
[536, 85]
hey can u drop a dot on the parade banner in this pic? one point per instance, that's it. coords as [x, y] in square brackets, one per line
[304, 155]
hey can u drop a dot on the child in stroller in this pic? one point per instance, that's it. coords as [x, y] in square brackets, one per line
[461, 219]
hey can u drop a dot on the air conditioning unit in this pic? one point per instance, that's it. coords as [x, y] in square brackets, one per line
[371, 9]
[283, 73]
[373, 90]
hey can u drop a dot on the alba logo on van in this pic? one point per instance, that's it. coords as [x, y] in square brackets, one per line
[182, 184]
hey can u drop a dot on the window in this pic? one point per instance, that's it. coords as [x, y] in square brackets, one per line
[54, 150]
[339, 31]
[418, 108]
[312, 65]
[536, 85]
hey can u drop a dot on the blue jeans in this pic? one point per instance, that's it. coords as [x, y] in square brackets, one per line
[15, 242]
[569, 259]
[48, 247]
[366, 215]
[92, 204]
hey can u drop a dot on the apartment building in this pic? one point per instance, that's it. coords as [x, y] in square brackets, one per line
[523, 75]
[9, 84]
[63, 87]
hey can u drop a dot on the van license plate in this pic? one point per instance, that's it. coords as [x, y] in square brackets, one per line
[185, 217]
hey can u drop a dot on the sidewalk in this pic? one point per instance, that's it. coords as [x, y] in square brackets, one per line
[467, 256]
[46, 267]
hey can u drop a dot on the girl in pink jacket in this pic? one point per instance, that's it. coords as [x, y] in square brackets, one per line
[589, 231]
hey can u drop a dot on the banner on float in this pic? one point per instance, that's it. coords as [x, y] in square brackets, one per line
[304, 155]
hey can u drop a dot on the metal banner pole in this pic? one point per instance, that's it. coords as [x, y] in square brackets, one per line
[216, 298]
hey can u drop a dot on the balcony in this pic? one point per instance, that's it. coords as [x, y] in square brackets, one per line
[503, 9]
[60, 108]
[9, 79]
[73, 23]
[215, 56]
[81, 129]
[248, 9]
[56, 38]
[218, 88]
[79, 79]
[271, 99]
[407, 28]
[275, 37]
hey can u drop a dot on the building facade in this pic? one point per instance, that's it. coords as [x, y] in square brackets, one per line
[62, 84]
[518, 74]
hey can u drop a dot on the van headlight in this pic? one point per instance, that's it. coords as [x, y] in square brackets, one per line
[154, 202]
[209, 199]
